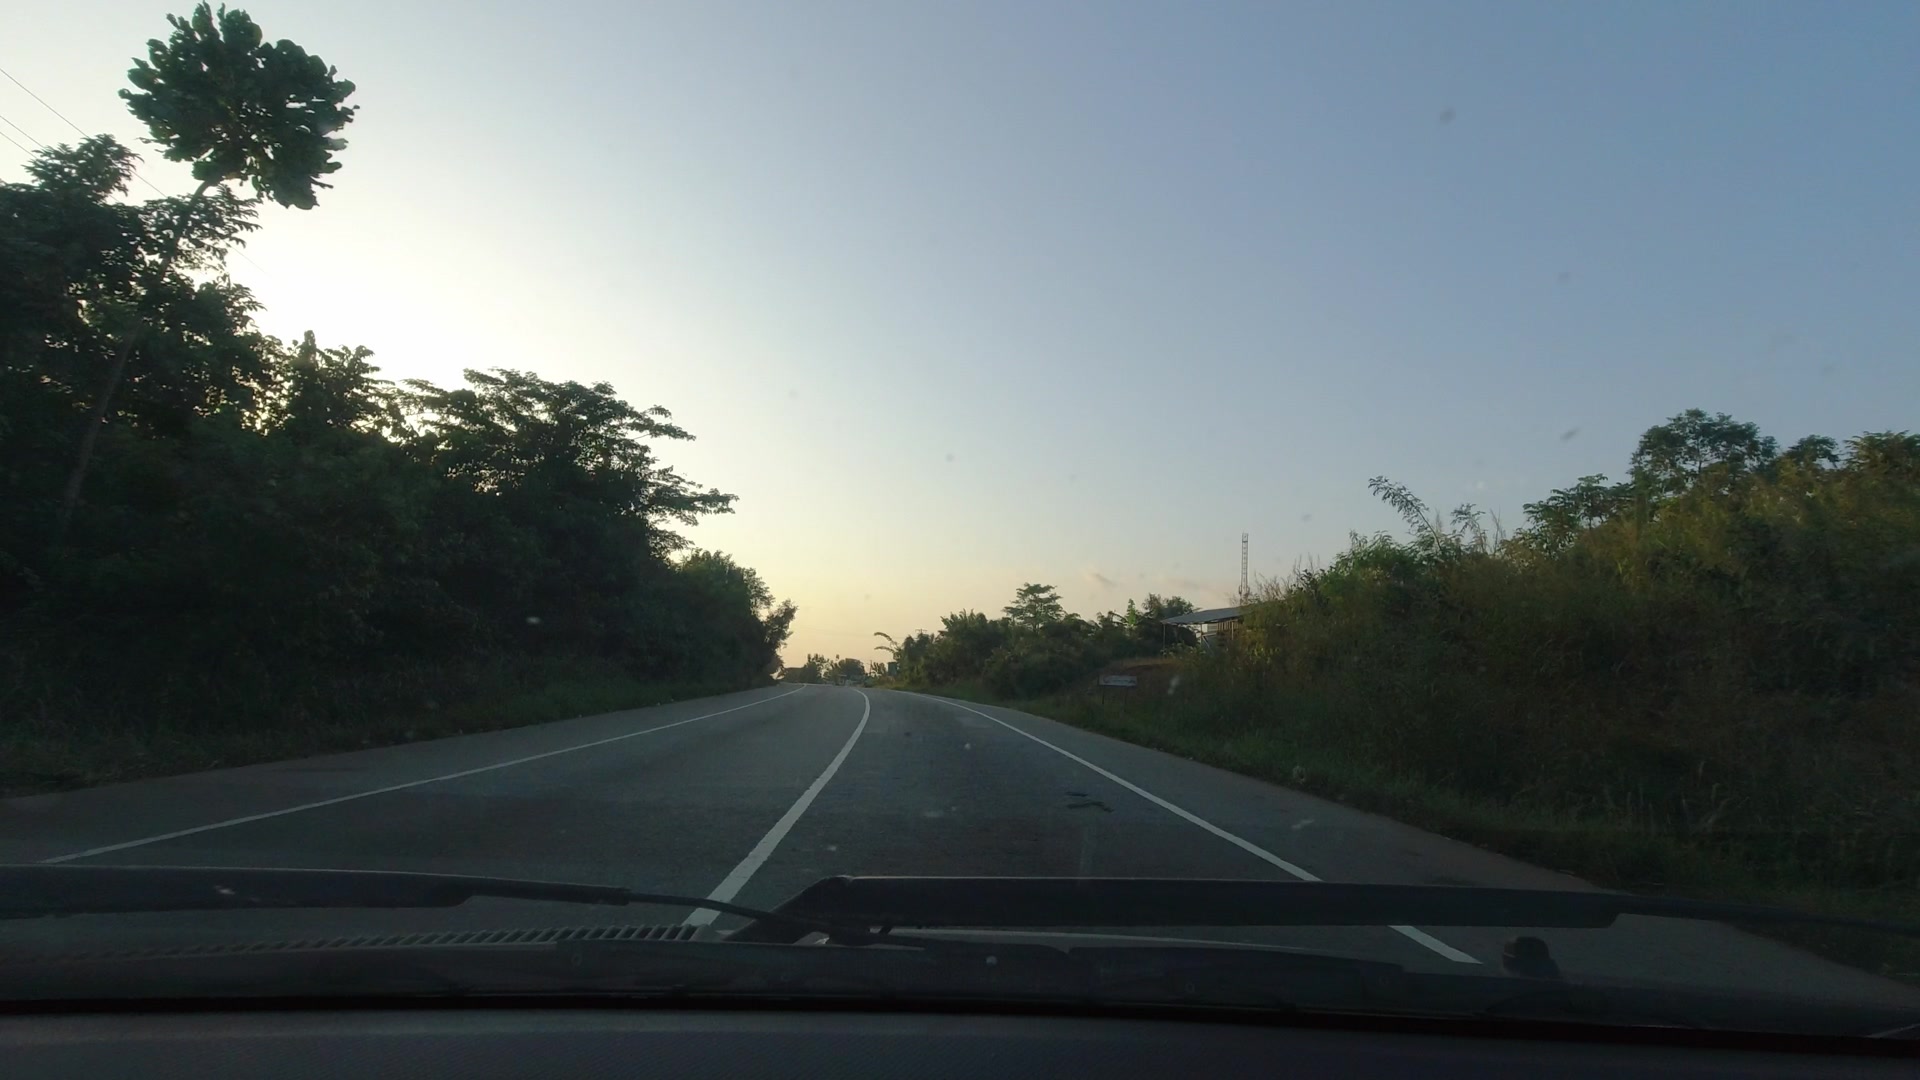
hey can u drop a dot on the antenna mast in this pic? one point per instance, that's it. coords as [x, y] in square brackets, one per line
[1245, 593]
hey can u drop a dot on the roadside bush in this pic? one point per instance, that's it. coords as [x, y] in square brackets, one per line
[1036, 647]
[1042, 668]
[1729, 664]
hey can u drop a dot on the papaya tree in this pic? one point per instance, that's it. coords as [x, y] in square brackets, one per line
[216, 94]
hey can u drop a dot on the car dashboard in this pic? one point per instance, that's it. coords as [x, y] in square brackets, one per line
[508, 1040]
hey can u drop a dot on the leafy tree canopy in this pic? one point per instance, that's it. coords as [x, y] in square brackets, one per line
[1035, 606]
[216, 94]
[1678, 454]
[274, 533]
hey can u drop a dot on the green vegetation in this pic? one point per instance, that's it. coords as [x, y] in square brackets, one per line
[819, 669]
[1036, 646]
[41, 752]
[1701, 679]
[1715, 656]
[216, 546]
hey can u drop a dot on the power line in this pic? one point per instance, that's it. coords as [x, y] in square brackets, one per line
[16, 142]
[43, 102]
[83, 134]
[63, 118]
[22, 131]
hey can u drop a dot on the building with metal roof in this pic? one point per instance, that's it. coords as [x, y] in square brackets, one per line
[1210, 615]
[1208, 625]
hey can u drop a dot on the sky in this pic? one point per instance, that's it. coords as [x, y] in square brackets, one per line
[957, 296]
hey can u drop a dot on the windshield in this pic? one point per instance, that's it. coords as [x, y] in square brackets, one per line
[706, 450]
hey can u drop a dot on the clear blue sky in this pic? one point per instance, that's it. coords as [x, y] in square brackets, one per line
[957, 296]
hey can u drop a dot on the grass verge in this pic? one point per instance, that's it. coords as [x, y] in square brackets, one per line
[47, 750]
[1612, 852]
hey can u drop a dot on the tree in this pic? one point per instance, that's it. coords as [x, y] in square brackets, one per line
[1038, 647]
[217, 95]
[1813, 452]
[733, 611]
[961, 649]
[1567, 512]
[70, 250]
[777, 626]
[565, 512]
[276, 535]
[512, 431]
[67, 251]
[1158, 607]
[1150, 631]
[77, 265]
[1689, 448]
[1885, 453]
[327, 391]
[1035, 606]
[816, 669]
[911, 654]
[809, 672]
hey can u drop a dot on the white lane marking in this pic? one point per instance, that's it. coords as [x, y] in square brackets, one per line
[143, 841]
[1412, 933]
[731, 885]
[1415, 934]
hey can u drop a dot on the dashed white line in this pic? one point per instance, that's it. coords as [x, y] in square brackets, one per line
[731, 885]
[230, 822]
[1411, 933]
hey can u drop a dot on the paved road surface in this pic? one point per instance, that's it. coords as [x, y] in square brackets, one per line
[752, 796]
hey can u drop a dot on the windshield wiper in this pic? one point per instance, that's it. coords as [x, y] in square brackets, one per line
[32, 892]
[1034, 903]
[847, 908]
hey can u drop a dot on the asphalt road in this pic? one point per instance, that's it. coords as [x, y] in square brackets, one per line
[753, 796]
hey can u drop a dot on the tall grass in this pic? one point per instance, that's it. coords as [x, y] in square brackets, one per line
[1713, 692]
[1731, 670]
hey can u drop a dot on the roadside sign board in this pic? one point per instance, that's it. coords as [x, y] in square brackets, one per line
[1119, 680]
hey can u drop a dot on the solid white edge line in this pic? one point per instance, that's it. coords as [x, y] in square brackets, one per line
[1414, 934]
[731, 885]
[143, 841]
